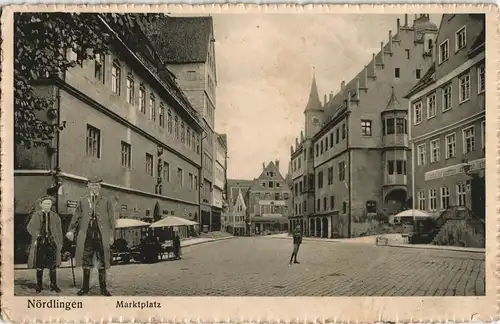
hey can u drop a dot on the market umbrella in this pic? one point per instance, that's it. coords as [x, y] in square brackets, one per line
[412, 213]
[171, 221]
[122, 223]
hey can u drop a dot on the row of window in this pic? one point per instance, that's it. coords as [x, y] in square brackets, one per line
[431, 204]
[341, 169]
[93, 149]
[397, 73]
[460, 43]
[237, 219]
[270, 196]
[396, 167]
[208, 163]
[331, 139]
[269, 209]
[464, 94]
[271, 184]
[394, 126]
[297, 163]
[168, 120]
[468, 145]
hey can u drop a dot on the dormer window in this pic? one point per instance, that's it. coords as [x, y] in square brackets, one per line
[461, 39]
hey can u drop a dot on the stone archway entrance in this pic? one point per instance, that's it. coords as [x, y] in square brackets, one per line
[324, 228]
[318, 228]
[312, 227]
[395, 200]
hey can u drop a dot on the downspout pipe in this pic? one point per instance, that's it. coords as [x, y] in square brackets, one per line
[349, 215]
[201, 181]
[58, 145]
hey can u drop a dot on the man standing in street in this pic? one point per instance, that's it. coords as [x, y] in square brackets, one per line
[46, 243]
[94, 226]
[297, 240]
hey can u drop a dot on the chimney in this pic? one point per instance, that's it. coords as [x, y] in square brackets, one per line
[373, 70]
[296, 142]
[291, 149]
[382, 52]
[277, 162]
[390, 41]
[398, 25]
[342, 86]
[263, 166]
[331, 95]
[301, 136]
[365, 77]
[325, 99]
[357, 89]
[406, 20]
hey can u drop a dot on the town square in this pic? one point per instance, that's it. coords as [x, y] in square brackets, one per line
[167, 155]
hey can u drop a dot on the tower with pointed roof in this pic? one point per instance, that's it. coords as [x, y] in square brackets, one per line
[313, 112]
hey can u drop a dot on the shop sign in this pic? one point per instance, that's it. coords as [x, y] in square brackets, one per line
[72, 204]
[454, 170]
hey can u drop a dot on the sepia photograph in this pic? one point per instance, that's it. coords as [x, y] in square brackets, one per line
[286, 155]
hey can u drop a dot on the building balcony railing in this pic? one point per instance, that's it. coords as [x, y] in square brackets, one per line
[395, 179]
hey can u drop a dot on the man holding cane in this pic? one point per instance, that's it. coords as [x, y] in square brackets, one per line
[94, 226]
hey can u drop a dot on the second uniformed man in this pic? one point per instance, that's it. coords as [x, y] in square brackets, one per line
[93, 226]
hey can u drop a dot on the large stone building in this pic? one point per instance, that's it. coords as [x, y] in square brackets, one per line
[187, 45]
[352, 161]
[129, 123]
[447, 120]
[268, 201]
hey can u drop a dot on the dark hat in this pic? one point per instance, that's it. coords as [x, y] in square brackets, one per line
[94, 180]
[47, 197]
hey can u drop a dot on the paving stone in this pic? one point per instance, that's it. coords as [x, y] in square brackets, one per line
[257, 266]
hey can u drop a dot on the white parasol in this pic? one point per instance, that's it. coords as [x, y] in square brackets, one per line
[412, 212]
[171, 221]
[122, 223]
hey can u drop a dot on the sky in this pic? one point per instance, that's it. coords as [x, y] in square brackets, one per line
[265, 66]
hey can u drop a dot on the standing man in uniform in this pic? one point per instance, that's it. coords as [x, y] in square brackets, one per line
[46, 243]
[297, 240]
[94, 226]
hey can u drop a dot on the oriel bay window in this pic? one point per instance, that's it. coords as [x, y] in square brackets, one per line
[396, 167]
[394, 126]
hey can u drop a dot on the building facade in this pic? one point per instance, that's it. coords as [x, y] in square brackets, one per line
[194, 66]
[127, 122]
[233, 224]
[268, 201]
[352, 162]
[448, 120]
[220, 180]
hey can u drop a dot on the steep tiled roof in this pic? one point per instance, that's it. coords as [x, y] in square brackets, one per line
[394, 103]
[237, 184]
[427, 79]
[478, 43]
[314, 104]
[182, 39]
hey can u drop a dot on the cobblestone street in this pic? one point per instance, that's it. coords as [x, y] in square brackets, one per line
[258, 266]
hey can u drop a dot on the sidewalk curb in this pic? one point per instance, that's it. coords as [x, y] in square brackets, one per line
[25, 267]
[437, 247]
[209, 241]
[406, 246]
